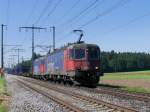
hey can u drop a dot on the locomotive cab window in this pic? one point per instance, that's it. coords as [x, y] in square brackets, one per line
[93, 53]
[77, 53]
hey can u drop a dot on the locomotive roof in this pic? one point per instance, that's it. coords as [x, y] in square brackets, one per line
[40, 58]
[82, 45]
[70, 45]
[77, 45]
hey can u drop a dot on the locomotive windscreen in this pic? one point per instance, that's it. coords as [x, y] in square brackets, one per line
[93, 53]
[77, 53]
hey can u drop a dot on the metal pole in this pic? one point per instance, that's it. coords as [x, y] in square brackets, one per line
[22, 59]
[18, 62]
[53, 37]
[33, 28]
[18, 56]
[32, 47]
[18, 52]
[53, 27]
[2, 61]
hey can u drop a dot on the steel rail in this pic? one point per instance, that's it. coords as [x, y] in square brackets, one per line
[127, 95]
[118, 93]
[63, 103]
[87, 98]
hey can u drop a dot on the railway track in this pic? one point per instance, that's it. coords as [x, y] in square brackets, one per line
[64, 104]
[88, 103]
[119, 93]
[124, 94]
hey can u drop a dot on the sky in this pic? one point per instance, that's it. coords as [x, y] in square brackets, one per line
[120, 25]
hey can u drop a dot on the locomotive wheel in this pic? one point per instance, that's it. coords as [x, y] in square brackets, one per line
[64, 82]
[59, 81]
[70, 83]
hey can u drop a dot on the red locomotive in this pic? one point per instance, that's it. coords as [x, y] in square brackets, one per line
[78, 62]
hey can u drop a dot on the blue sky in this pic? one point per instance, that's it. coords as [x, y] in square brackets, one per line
[123, 28]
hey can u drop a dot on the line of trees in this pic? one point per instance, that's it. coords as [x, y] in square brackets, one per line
[24, 66]
[116, 62]
[111, 62]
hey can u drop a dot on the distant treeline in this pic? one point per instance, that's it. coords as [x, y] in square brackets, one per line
[111, 62]
[116, 62]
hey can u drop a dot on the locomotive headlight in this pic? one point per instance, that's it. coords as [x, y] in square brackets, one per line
[86, 68]
[96, 68]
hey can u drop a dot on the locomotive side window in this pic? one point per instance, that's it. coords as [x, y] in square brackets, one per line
[71, 53]
[93, 53]
[77, 53]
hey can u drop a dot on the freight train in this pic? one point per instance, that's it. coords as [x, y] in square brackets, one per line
[77, 62]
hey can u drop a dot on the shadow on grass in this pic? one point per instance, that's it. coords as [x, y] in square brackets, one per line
[109, 86]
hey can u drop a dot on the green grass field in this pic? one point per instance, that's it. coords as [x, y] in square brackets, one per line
[2, 86]
[127, 75]
[138, 81]
[3, 106]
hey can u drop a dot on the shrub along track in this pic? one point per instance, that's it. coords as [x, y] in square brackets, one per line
[88, 103]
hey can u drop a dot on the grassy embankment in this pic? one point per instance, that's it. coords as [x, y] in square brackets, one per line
[3, 96]
[131, 81]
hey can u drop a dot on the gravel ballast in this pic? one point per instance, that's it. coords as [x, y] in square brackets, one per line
[29, 100]
[26, 100]
[121, 101]
[141, 106]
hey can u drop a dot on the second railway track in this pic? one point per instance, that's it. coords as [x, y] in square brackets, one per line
[139, 97]
[77, 101]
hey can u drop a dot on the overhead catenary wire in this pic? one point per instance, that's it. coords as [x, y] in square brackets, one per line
[32, 11]
[69, 11]
[91, 4]
[32, 28]
[109, 10]
[7, 18]
[127, 23]
[106, 12]
[8, 12]
[87, 12]
[66, 35]
[48, 4]
[51, 11]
